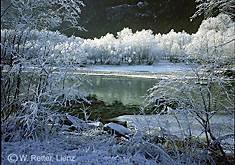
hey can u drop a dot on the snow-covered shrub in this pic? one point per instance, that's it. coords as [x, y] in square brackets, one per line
[214, 40]
[59, 47]
[36, 83]
[127, 47]
[68, 50]
[209, 8]
[174, 44]
[208, 44]
[40, 14]
[105, 49]
[199, 99]
[140, 47]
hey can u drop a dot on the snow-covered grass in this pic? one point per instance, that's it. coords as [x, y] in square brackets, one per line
[83, 148]
[90, 146]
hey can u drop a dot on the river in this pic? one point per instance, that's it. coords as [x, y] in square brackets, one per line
[129, 85]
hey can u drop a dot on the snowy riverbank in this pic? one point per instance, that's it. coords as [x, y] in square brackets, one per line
[162, 69]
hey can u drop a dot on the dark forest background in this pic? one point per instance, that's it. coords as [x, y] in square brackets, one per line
[102, 16]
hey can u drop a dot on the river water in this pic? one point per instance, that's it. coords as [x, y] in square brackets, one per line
[130, 90]
[127, 90]
[128, 84]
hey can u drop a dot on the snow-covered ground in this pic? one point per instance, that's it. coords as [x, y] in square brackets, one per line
[89, 147]
[161, 67]
[95, 146]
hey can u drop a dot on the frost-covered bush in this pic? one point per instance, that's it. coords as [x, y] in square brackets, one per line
[214, 41]
[142, 47]
[102, 50]
[35, 83]
[127, 47]
[69, 49]
[139, 47]
[40, 14]
[58, 47]
[209, 8]
[200, 99]
[174, 44]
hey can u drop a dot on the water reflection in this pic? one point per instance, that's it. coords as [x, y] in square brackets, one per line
[128, 90]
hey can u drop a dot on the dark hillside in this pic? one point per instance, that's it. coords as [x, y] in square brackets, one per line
[102, 16]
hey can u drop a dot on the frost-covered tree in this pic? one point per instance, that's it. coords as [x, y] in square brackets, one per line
[35, 76]
[174, 44]
[37, 83]
[214, 41]
[202, 99]
[140, 47]
[206, 94]
[127, 47]
[39, 14]
[211, 7]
